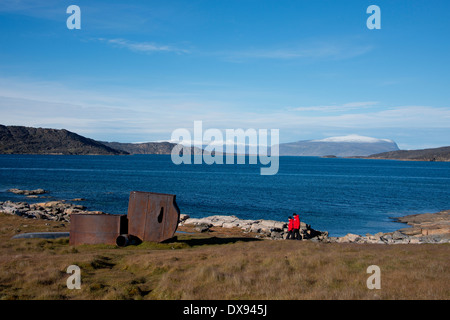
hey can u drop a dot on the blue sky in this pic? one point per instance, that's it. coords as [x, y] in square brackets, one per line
[137, 70]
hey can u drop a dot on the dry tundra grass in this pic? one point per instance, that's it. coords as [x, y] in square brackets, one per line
[215, 266]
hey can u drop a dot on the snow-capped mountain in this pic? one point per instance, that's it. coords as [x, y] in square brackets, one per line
[342, 146]
[353, 138]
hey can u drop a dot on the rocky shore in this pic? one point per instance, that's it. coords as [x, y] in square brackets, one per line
[59, 210]
[424, 228]
[268, 229]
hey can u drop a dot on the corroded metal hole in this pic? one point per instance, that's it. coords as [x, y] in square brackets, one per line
[160, 216]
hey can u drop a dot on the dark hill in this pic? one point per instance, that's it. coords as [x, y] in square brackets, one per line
[434, 154]
[27, 140]
[142, 148]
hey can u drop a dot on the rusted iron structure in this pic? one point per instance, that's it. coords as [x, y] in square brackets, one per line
[96, 228]
[151, 217]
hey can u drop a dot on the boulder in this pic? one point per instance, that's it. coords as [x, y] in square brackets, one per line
[276, 235]
[183, 217]
[349, 237]
[387, 238]
[397, 235]
[51, 204]
[231, 224]
[202, 227]
[411, 231]
[255, 228]
[10, 210]
[272, 224]
[37, 215]
[70, 211]
[218, 221]
[193, 221]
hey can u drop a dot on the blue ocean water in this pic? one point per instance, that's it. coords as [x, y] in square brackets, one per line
[332, 194]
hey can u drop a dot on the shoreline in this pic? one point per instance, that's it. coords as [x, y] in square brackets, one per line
[168, 154]
[402, 159]
[423, 228]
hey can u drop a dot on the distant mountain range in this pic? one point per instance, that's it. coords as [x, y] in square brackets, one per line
[345, 146]
[28, 140]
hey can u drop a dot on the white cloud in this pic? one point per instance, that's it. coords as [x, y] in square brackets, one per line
[329, 50]
[140, 115]
[400, 117]
[338, 108]
[146, 47]
[27, 6]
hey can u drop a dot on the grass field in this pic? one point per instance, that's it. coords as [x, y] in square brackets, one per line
[215, 265]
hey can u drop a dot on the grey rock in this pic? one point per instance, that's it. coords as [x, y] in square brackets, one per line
[378, 235]
[9, 210]
[183, 217]
[276, 235]
[229, 225]
[350, 237]
[255, 228]
[397, 235]
[37, 214]
[202, 227]
[27, 192]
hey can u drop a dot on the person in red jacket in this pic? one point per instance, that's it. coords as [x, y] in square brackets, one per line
[290, 234]
[296, 226]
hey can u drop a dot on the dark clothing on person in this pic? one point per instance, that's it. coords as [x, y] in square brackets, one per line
[290, 234]
[296, 230]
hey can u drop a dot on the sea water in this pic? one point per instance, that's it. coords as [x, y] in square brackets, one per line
[331, 194]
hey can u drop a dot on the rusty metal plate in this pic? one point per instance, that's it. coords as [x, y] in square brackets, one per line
[96, 228]
[152, 216]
